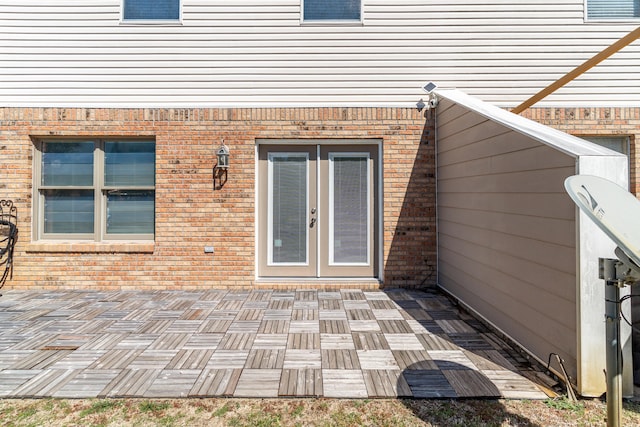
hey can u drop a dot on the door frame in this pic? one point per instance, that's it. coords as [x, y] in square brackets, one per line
[378, 196]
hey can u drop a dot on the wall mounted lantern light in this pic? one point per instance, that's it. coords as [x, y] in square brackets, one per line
[220, 169]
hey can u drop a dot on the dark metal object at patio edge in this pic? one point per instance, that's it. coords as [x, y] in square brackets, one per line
[8, 237]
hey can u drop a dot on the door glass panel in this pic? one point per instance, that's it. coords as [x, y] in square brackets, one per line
[288, 179]
[349, 208]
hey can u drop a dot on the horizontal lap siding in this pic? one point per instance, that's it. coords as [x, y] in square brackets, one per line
[506, 231]
[258, 52]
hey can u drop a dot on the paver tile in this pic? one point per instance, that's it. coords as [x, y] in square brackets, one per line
[258, 383]
[271, 341]
[385, 383]
[414, 359]
[336, 341]
[369, 341]
[343, 383]
[340, 359]
[228, 359]
[172, 383]
[303, 341]
[377, 359]
[301, 382]
[303, 359]
[216, 382]
[130, 383]
[403, 342]
[428, 384]
[468, 383]
[190, 359]
[86, 384]
[265, 359]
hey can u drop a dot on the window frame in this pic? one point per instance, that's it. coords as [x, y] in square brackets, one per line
[331, 21]
[124, 20]
[100, 194]
[609, 19]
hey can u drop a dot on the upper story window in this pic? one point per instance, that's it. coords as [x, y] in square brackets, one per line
[613, 9]
[331, 10]
[94, 190]
[151, 10]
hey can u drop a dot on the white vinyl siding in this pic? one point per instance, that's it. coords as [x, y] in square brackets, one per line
[258, 53]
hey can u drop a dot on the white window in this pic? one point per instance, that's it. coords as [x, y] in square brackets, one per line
[613, 9]
[151, 10]
[615, 143]
[331, 10]
[94, 189]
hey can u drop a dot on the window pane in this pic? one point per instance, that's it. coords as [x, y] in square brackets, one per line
[152, 9]
[67, 163]
[350, 213]
[130, 212]
[332, 10]
[289, 209]
[613, 9]
[129, 163]
[619, 144]
[68, 211]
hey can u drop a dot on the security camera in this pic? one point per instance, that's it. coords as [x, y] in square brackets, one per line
[433, 102]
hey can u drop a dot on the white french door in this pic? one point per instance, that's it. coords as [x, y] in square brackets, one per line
[317, 211]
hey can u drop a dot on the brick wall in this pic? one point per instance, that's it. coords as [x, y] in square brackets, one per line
[597, 121]
[190, 214]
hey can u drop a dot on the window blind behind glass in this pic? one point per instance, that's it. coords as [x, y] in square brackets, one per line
[613, 9]
[289, 242]
[350, 209]
[331, 10]
[129, 163]
[152, 9]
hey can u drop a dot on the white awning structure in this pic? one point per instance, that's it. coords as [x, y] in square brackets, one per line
[512, 246]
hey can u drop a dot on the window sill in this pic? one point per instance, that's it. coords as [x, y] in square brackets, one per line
[156, 22]
[91, 247]
[332, 23]
[622, 21]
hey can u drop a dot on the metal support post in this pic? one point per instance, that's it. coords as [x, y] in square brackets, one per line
[614, 349]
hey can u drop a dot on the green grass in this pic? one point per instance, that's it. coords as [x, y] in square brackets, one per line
[346, 419]
[27, 413]
[297, 411]
[306, 412]
[220, 412]
[99, 406]
[150, 406]
[562, 403]
[256, 419]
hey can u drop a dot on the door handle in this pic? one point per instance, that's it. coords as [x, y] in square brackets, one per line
[313, 220]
